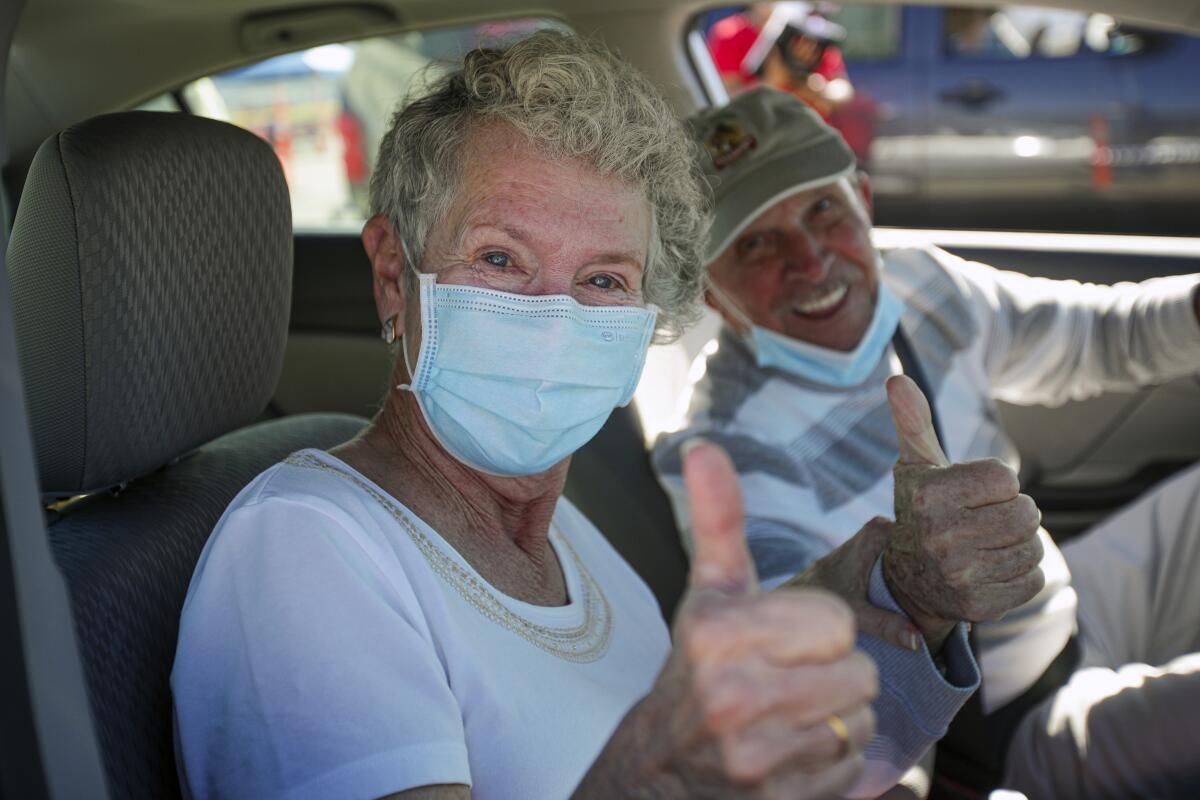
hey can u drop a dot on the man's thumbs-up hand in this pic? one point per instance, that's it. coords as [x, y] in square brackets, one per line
[965, 545]
[914, 424]
[763, 695]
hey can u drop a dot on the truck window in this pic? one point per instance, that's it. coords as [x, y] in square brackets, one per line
[876, 31]
[1028, 31]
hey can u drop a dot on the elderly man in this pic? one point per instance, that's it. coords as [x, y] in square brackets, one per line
[418, 613]
[815, 322]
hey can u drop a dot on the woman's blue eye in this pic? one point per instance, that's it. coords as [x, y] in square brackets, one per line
[602, 281]
[496, 259]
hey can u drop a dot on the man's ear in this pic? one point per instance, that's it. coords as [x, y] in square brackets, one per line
[864, 191]
[386, 254]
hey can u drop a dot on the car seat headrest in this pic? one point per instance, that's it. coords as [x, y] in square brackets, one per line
[150, 263]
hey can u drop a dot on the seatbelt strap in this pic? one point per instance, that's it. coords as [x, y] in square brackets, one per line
[968, 725]
[973, 751]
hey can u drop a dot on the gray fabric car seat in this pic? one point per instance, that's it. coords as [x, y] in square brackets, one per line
[150, 263]
[612, 483]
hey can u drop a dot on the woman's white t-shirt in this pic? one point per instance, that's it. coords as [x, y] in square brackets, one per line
[333, 645]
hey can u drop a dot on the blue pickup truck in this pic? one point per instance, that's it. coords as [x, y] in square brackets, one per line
[1024, 118]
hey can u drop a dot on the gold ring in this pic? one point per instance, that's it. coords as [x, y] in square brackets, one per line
[838, 726]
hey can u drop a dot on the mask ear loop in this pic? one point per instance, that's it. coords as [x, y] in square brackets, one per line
[407, 387]
[726, 302]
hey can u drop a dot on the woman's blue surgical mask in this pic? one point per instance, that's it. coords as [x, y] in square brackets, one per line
[512, 384]
[823, 365]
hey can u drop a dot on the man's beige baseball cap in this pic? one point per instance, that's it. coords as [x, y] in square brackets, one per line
[760, 148]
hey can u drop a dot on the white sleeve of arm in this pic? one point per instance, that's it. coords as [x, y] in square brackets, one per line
[301, 672]
[1050, 341]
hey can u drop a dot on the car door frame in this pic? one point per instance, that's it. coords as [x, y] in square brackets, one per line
[48, 746]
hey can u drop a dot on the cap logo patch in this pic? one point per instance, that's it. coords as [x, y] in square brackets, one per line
[728, 142]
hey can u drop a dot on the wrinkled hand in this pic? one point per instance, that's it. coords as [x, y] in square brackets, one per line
[741, 708]
[846, 571]
[965, 545]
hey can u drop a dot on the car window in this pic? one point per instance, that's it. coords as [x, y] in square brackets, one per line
[1012, 117]
[164, 102]
[325, 109]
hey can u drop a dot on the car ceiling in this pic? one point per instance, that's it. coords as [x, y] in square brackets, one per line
[72, 59]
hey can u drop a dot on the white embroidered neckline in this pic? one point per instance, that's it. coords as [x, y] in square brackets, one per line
[582, 643]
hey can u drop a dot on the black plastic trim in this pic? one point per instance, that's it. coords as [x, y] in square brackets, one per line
[21, 772]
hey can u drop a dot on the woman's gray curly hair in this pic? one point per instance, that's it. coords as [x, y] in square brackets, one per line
[572, 98]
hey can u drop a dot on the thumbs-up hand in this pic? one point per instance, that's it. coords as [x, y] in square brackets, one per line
[721, 559]
[846, 571]
[763, 695]
[965, 545]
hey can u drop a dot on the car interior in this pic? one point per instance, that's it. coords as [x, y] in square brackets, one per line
[169, 329]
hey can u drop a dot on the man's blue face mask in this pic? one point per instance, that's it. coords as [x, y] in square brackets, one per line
[512, 384]
[821, 364]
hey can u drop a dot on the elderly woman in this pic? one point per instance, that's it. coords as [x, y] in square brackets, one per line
[419, 613]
